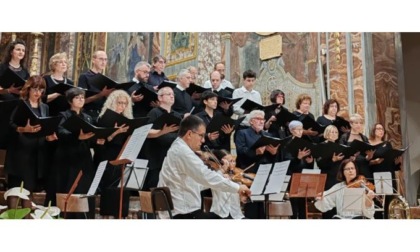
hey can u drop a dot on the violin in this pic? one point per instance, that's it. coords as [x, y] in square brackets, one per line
[361, 181]
[239, 176]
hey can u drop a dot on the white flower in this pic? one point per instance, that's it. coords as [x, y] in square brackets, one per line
[52, 211]
[39, 214]
[17, 191]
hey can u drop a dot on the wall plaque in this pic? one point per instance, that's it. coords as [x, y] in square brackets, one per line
[271, 47]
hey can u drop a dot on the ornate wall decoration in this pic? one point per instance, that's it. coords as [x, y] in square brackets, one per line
[125, 50]
[180, 47]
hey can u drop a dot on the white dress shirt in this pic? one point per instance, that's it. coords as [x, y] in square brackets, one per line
[225, 203]
[252, 95]
[223, 84]
[335, 198]
[186, 175]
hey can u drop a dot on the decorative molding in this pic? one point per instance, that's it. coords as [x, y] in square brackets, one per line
[180, 47]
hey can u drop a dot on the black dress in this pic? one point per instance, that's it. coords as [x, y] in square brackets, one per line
[26, 156]
[73, 155]
[5, 114]
[59, 104]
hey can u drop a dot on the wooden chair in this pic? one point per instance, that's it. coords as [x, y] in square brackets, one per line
[146, 204]
[281, 210]
[207, 201]
[162, 200]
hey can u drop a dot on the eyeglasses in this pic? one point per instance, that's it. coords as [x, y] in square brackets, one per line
[122, 103]
[79, 97]
[35, 90]
[259, 118]
[200, 135]
[349, 169]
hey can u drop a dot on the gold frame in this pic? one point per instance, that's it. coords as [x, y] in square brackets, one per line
[180, 53]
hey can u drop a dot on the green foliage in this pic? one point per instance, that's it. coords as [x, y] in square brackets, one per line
[15, 214]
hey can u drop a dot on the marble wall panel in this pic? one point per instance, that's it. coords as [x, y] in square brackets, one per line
[358, 74]
[338, 73]
[209, 53]
[386, 86]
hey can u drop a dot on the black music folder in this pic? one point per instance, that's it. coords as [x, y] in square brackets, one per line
[60, 88]
[166, 83]
[193, 88]
[362, 146]
[394, 153]
[229, 89]
[268, 140]
[9, 78]
[297, 144]
[74, 124]
[218, 121]
[309, 123]
[340, 122]
[167, 119]
[221, 99]
[326, 150]
[110, 117]
[249, 105]
[148, 95]
[284, 117]
[48, 124]
[100, 81]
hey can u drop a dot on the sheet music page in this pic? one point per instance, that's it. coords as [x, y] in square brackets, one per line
[98, 177]
[133, 147]
[277, 177]
[383, 182]
[258, 184]
[141, 163]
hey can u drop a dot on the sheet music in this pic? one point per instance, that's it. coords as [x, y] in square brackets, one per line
[383, 182]
[311, 171]
[353, 201]
[141, 163]
[277, 177]
[98, 177]
[258, 184]
[133, 147]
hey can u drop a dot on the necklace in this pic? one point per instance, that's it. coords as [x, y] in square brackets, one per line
[56, 82]
[18, 68]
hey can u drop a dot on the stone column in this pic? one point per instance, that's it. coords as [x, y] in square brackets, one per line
[34, 55]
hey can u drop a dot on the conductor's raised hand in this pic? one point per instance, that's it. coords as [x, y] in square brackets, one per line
[85, 136]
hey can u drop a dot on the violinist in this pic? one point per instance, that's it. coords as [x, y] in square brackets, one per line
[185, 173]
[349, 175]
[226, 205]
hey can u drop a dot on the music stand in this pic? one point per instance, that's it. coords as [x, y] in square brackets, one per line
[135, 174]
[353, 201]
[128, 154]
[269, 180]
[307, 186]
[383, 183]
